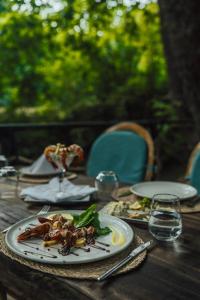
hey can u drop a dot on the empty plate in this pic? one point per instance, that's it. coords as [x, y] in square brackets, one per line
[149, 189]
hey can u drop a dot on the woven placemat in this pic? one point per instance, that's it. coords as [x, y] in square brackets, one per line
[187, 206]
[40, 180]
[81, 271]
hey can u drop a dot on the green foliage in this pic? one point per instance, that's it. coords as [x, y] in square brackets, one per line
[87, 55]
[23, 49]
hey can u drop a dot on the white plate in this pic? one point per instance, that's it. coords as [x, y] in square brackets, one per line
[40, 168]
[28, 250]
[149, 189]
[27, 172]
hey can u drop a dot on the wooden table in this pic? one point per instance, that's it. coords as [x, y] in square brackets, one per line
[171, 271]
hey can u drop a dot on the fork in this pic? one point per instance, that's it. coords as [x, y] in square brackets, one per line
[43, 210]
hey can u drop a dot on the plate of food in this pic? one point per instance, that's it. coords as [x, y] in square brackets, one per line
[136, 211]
[149, 189]
[55, 160]
[69, 237]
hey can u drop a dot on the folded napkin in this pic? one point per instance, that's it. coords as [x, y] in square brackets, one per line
[49, 192]
[40, 167]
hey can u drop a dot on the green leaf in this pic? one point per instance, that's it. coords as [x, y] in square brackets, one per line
[86, 217]
[145, 202]
[90, 217]
[96, 223]
[103, 231]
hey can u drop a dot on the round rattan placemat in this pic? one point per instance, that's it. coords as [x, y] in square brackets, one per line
[81, 271]
[40, 180]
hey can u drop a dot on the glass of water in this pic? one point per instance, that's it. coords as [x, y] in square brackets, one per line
[7, 190]
[107, 184]
[165, 222]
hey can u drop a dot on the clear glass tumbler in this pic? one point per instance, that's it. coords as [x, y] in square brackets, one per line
[107, 184]
[165, 222]
[8, 190]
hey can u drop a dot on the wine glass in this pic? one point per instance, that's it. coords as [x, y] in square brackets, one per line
[61, 194]
[61, 158]
[165, 222]
[107, 184]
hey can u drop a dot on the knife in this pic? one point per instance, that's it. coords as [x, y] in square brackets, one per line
[134, 253]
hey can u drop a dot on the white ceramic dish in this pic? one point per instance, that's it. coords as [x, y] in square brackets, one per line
[26, 171]
[144, 220]
[40, 168]
[32, 249]
[149, 189]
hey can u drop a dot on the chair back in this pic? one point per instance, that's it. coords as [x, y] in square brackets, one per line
[127, 149]
[193, 168]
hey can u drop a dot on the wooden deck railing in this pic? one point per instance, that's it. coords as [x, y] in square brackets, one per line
[22, 139]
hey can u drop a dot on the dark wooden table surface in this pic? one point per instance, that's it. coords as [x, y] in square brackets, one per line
[170, 271]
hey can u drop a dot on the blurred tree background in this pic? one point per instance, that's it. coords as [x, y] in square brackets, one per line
[60, 58]
[85, 60]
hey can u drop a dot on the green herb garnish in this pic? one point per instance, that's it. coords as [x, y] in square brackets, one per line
[145, 203]
[90, 217]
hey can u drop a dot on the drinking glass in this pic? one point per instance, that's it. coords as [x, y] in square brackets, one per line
[165, 222]
[107, 184]
[3, 161]
[8, 191]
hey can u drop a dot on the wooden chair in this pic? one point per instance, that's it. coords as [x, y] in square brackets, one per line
[192, 174]
[134, 129]
[190, 164]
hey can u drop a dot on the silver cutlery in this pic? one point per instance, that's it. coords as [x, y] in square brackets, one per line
[134, 253]
[44, 210]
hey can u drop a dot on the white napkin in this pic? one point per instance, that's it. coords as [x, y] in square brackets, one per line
[40, 167]
[48, 192]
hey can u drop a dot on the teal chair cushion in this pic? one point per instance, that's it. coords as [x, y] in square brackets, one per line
[195, 173]
[123, 152]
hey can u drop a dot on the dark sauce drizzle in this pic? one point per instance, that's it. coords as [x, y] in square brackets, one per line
[66, 252]
[27, 245]
[104, 244]
[30, 242]
[100, 248]
[48, 249]
[39, 254]
[84, 249]
[37, 243]
[63, 251]
[74, 253]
